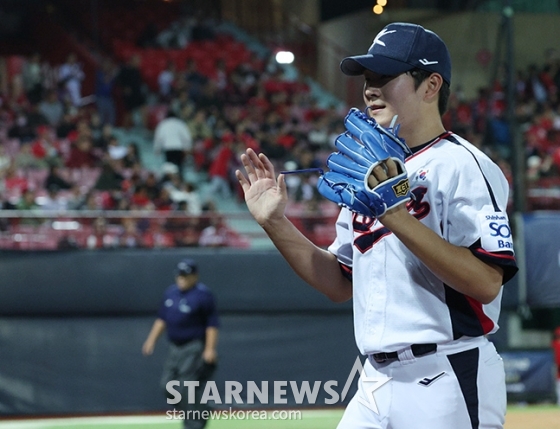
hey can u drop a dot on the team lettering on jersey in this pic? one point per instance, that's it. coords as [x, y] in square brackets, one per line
[497, 232]
[370, 230]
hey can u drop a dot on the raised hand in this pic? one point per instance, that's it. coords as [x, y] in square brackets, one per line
[266, 196]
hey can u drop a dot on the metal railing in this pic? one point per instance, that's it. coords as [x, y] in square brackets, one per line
[27, 230]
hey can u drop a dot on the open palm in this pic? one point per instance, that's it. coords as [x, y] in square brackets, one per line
[266, 197]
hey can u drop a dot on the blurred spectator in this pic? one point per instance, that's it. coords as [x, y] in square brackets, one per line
[25, 159]
[75, 200]
[44, 147]
[152, 186]
[210, 97]
[220, 76]
[81, 154]
[33, 78]
[318, 134]
[66, 126]
[16, 91]
[534, 86]
[34, 117]
[166, 81]
[115, 149]
[184, 229]
[168, 171]
[101, 237]
[54, 178]
[89, 201]
[5, 160]
[27, 202]
[459, 114]
[140, 200]
[53, 201]
[15, 181]
[102, 141]
[177, 34]
[109, 178]
[182, 105]
[186, 192]
[52, 108]
[192, 198]
[219, 171]
[70, 77]
[172, 181]
[194, 79]
[131, 83]
[82, 127]
[555, 344]
[132, 156]
[105, 79]
[21, 129]
[131, 236]
[306, 191]
[216, 234]
[162, 201]
[199, 127]
[95, 125]
[172, 137]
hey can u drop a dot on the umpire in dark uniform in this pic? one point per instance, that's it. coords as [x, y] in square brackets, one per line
[188, 313]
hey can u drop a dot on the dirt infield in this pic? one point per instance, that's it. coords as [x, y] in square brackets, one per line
[533, 417]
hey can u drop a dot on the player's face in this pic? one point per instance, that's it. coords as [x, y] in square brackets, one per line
[387, 96]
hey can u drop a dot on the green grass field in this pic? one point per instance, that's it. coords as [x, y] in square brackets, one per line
[300, 419]
[529, 417]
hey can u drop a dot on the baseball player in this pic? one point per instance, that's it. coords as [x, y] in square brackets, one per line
[423, 243]
[188, 313]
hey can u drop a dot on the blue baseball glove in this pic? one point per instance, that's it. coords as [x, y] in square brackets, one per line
[364, 146]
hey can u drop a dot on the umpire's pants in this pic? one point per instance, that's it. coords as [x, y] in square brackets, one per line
[185, 363]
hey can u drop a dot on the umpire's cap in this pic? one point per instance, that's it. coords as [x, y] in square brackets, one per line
[401, 47]
[186, 267]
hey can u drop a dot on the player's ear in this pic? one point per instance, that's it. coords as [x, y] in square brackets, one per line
[433, 85]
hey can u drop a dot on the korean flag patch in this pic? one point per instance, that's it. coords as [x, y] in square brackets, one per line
[495, 232]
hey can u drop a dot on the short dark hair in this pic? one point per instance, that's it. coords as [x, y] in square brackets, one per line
[420, 76]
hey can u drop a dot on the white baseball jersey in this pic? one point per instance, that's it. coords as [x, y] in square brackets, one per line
[459, 193]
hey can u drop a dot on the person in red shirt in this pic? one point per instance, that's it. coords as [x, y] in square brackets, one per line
[556, 350]
[45, 148]
[81, 154]
[140, 199]
[219, 170]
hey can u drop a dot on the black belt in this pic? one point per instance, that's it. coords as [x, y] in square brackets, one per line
[417, 350]
[183, 342]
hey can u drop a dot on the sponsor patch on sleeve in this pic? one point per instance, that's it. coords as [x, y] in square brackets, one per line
[495, 232]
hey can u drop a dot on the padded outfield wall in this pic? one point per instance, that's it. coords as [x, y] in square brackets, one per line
[72, 326]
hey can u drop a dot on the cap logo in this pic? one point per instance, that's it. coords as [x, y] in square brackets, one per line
[379, 36]
[425, 62]
[185, 268]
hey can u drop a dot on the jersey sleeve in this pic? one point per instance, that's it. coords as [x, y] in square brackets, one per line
[162, 309]
[477, 217]
[212, 319]
[342, 247]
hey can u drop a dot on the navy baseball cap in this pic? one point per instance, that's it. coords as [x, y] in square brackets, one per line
[401, 47]
[186, 267]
